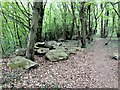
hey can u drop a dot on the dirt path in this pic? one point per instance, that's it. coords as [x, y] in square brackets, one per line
[91, 68]
[103, 69]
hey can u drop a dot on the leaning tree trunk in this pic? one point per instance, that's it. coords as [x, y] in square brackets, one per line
[32, 35]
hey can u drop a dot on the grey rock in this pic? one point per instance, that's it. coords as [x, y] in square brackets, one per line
[51, 44]
[21, 62]
[56, 55]
[39, 44]
[20, 52]
[42, 51]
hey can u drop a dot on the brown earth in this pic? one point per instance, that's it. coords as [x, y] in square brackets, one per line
[90, 68]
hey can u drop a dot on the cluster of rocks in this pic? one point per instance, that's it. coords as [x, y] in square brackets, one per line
[52, 50]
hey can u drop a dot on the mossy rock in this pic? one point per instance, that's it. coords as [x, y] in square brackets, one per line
[42, 51]
[56, 55]
[20, 52]
[21, 62]
[39, 44]
[64, 49]
[72, 50]
[61, 40]
[52, 44]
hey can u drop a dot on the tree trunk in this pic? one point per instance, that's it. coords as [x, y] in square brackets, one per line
[96, 20]
[64, 23]
[83, 31]
[102, 22]
[73, 20]
[40, 21]
[105, 34]
[89, 26]
[118, 33]
[33, 31]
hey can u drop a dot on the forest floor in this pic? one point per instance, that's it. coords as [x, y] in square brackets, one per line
[92, 68]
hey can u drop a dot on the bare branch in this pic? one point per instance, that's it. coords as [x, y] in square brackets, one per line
[115, 10]
[101, 12]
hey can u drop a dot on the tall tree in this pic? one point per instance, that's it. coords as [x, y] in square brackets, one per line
[40, 21]
[101, 21]
[89, 25]
[64, 19]
[118, 33]
[33, 31]
[83, 31]
[73, 19]
[105, 31]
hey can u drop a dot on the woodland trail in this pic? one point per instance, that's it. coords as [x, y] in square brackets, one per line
[104, 70]
[90, 68]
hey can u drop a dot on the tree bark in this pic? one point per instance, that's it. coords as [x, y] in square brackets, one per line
[33, 31]
[89, 26]
[118, 33]
[64, 19]
[73, 20]
[105, 34]
[83, 31]
[102, 22]
[40, 21]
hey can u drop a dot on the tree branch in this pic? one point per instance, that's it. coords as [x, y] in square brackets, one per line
[101, 12]
[115, 10]
[16, 20]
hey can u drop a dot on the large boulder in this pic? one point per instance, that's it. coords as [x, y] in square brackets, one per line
[42, 51]
[56, 55]
[21, 62]
[20, 52]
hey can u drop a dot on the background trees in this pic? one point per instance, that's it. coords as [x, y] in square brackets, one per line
[56, 20]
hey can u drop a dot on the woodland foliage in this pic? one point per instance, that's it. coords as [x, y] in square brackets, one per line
[60, 20]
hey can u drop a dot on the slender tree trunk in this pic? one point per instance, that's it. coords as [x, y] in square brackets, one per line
[83, 31]
[102, 22]
[96, 20]
[77, 23]
[89, 26]
[113, 26]
[73, 20]
[40, 21]
[105, 34]
[33, 31]
[118, 33]
[64, 19]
